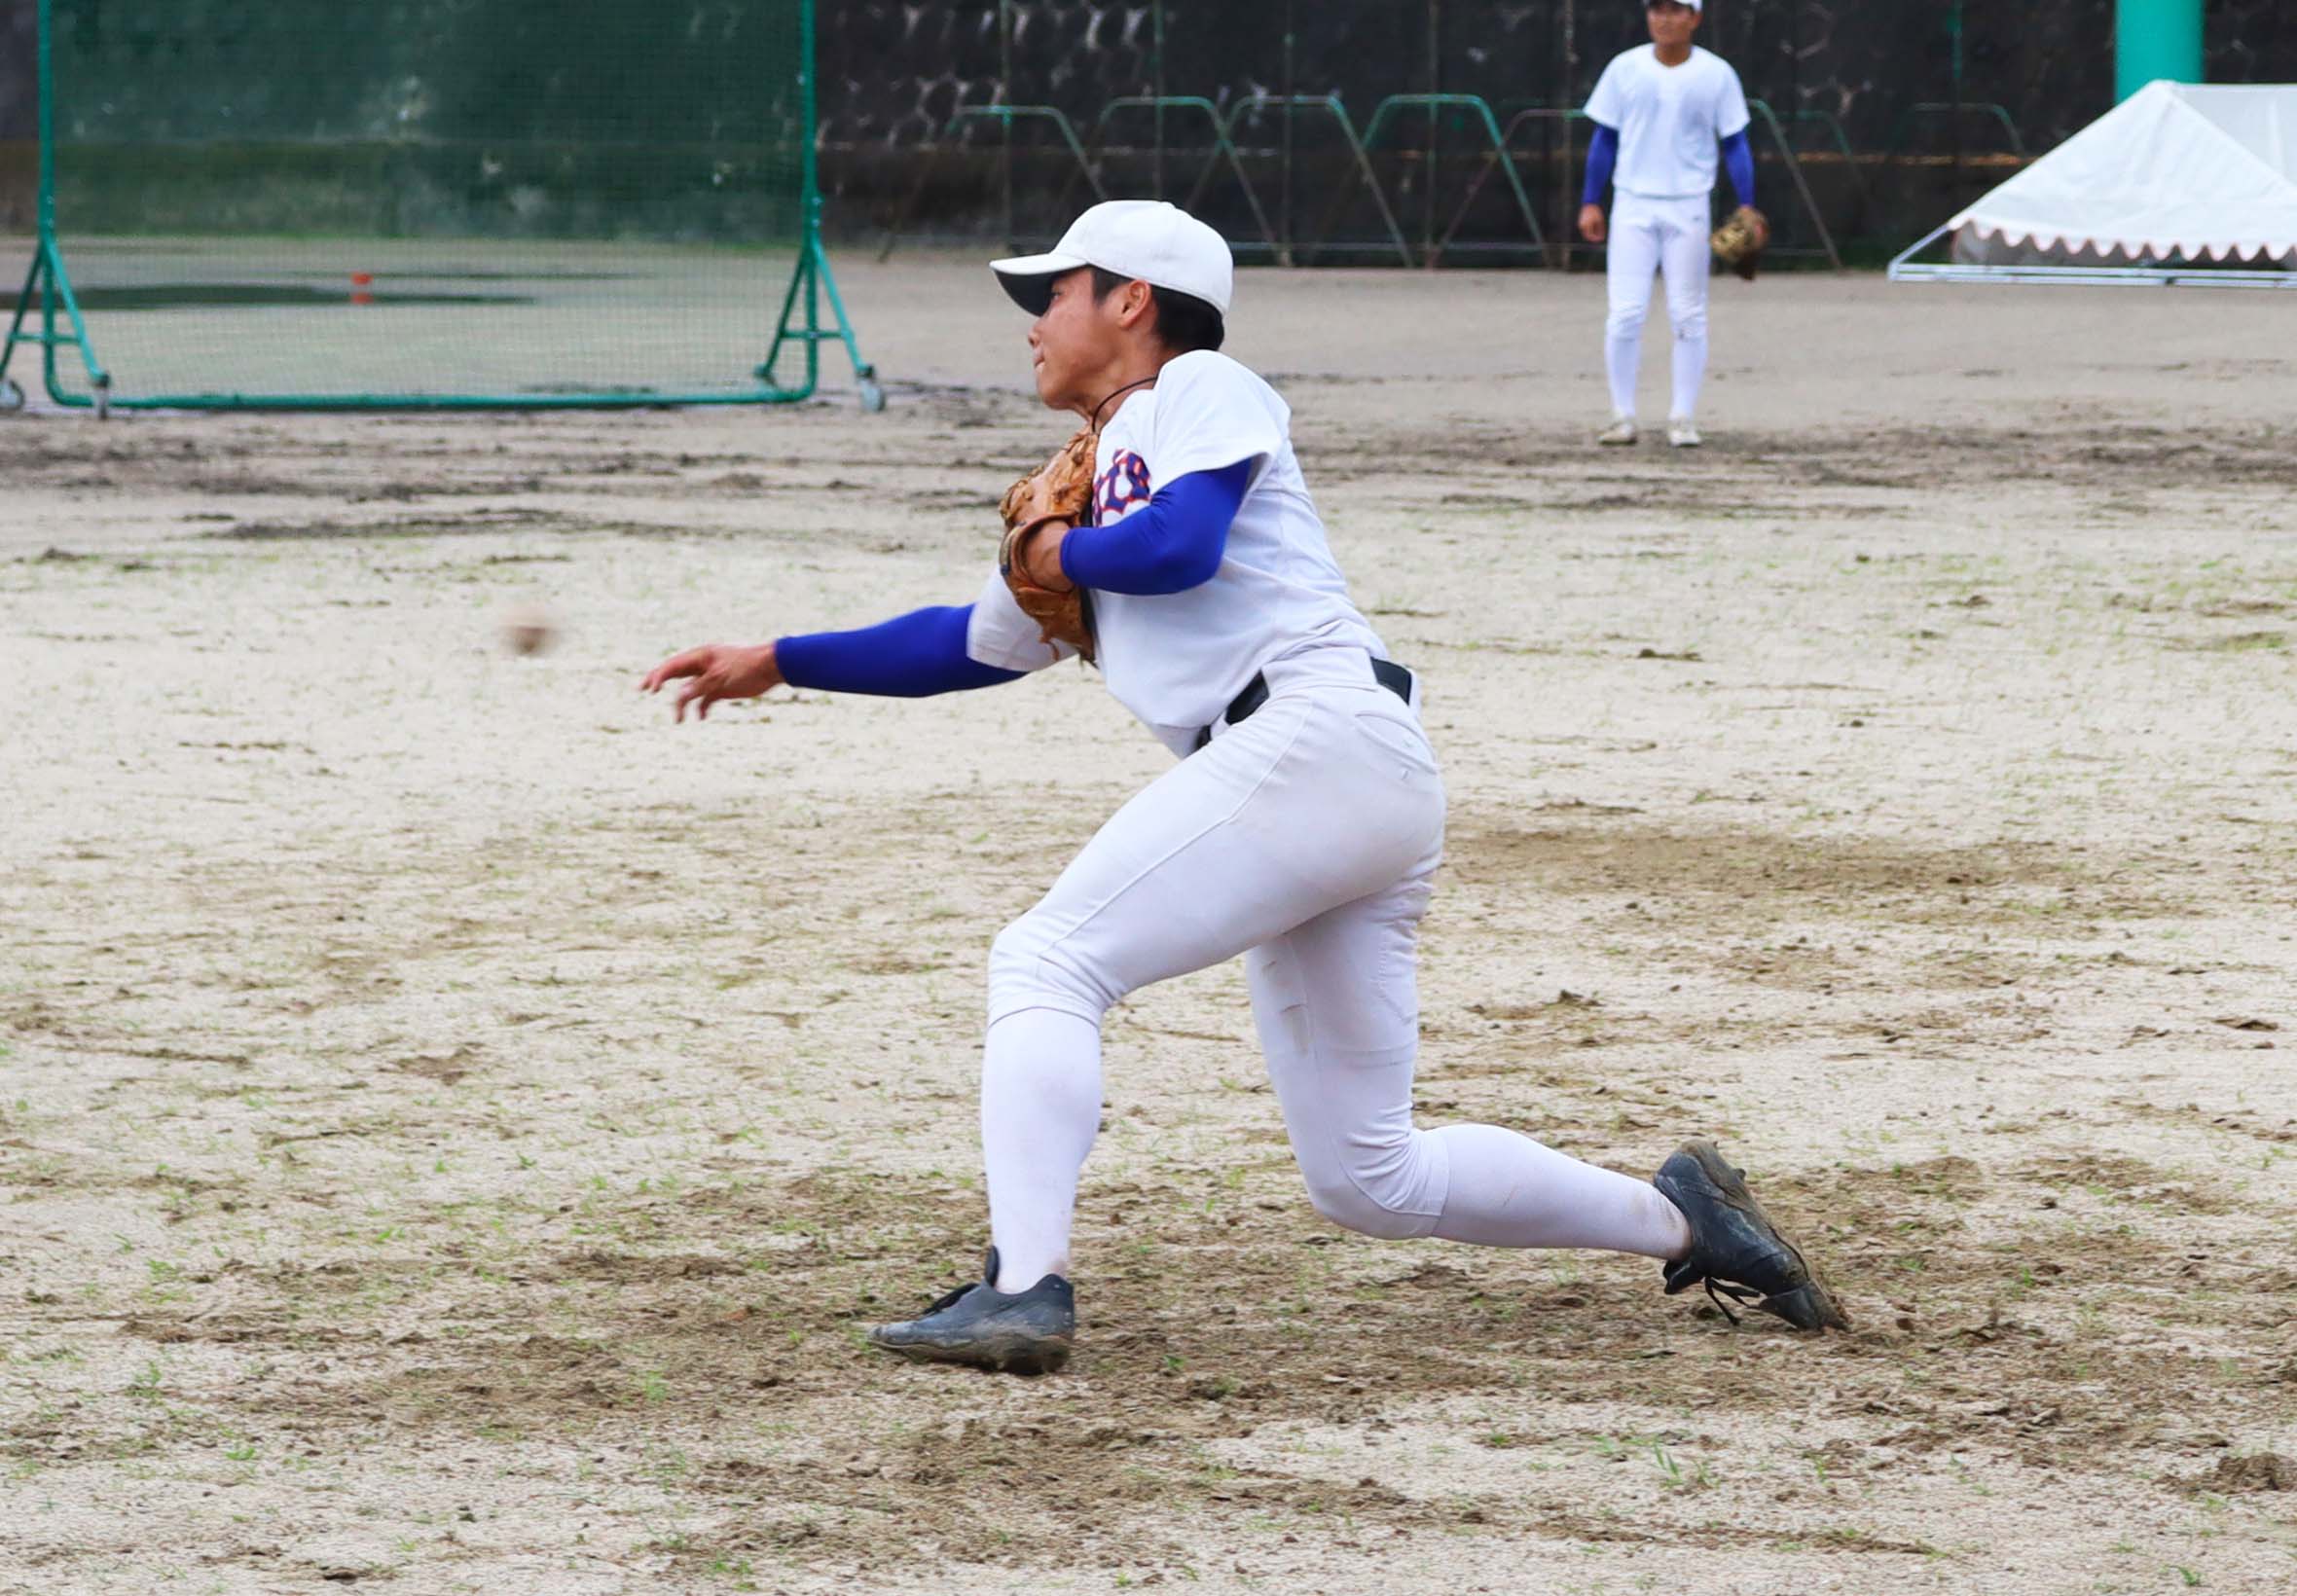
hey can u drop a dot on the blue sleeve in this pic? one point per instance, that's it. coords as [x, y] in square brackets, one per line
[1171, 543]
[1602, 156]
[911, 656]
[1738, 159]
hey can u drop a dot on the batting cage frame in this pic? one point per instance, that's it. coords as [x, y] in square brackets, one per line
[51, 316]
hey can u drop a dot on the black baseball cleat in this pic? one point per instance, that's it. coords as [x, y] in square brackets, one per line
[1736, 1250]
[1020, 1332]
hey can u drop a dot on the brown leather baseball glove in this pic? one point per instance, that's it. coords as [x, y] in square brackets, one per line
[1739, 241]
[1060, 489]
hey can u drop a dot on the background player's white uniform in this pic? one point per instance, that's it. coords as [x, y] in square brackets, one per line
[1669, 120]
[1304, 837]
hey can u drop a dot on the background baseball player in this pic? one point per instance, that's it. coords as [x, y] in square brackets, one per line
[1301, 826]
[1659, 111]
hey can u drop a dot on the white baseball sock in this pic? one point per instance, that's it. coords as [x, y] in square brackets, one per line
[1040, 1109]
[1622, 352]
[1507, 1190]
[1690, 368]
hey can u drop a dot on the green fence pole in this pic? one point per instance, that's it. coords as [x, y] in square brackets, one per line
[812, 279]
[48, 276]
[2156, 39]
[809, 197]
[805, 201]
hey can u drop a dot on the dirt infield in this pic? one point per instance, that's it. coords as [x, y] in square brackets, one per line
[456, 1124]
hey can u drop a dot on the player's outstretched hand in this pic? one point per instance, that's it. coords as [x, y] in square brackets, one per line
[1591, 223]
[718, 670]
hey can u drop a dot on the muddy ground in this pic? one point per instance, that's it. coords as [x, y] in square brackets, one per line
[457, 1124]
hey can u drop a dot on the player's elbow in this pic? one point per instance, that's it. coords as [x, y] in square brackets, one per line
[1188, 562]
[1172, 560]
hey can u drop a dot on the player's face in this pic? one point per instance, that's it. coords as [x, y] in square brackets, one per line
[1670, 24]
[1074, 342]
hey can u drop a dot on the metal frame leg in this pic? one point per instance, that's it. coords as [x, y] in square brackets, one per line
[53, 285]
[1005, 116]
[813, 277]
[1331, 105]
[1496, 154]
[1794, 167]
[1222, 146]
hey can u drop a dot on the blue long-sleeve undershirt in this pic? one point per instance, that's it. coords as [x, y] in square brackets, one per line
[911, 656]
[1602, 156]
[1171, 544]
[1738, 159]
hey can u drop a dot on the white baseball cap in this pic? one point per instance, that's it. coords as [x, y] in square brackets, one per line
[1161, 245]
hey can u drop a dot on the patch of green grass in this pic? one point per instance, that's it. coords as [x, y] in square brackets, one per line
[736, 1570]
[1697, 1477]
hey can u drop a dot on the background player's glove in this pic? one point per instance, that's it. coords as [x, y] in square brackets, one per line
[1738, 243]
[1060, 489]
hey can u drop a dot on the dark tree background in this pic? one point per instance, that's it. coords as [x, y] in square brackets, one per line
[892, 71]
[18, 119]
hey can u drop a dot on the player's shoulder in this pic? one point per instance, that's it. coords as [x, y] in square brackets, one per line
[1634, 58]
[1713, 65]
[1208, 371]
[1205, 390]
[1199, 363]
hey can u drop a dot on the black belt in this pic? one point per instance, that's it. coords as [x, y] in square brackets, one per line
[1387, 672]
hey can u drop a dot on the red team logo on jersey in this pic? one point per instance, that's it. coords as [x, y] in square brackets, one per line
[1122, 485]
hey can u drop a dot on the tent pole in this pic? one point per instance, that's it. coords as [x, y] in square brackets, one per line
[2156, 39]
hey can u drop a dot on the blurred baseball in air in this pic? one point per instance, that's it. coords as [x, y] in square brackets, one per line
[527, 629]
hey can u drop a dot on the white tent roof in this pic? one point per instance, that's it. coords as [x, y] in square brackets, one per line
[2204, 171]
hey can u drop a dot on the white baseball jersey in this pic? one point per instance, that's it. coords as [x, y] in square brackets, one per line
[1176, 660]
[1669, 119]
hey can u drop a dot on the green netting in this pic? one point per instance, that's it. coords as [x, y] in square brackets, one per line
[531, 200]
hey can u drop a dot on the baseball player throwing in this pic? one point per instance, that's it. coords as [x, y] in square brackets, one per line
[1299, 827]
[1659, 110]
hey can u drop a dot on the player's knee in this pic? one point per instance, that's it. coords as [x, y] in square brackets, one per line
[1624, 323]
[1352, 1209]
[1016, 958]
[1375, 1191]
[1691, 325]
[1029, 964]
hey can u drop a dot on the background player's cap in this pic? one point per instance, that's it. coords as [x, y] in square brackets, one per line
[1161, 245]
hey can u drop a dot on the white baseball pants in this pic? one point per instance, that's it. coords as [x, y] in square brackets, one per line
[1306, 838]
[1667, 238]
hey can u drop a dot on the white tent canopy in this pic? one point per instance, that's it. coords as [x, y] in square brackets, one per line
[2178, 174]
